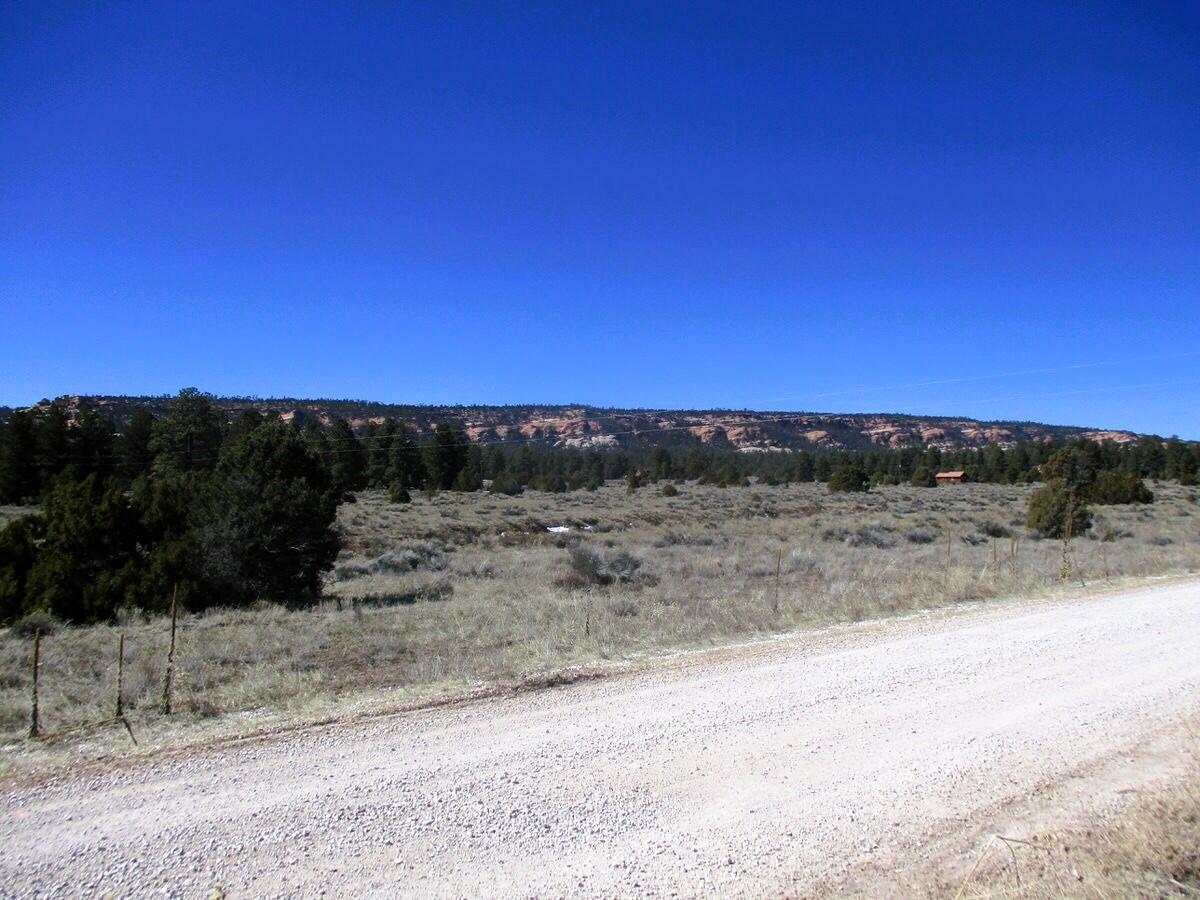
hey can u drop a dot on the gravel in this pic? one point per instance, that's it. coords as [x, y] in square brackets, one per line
[744, 771]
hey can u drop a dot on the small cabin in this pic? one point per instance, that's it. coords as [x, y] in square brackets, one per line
[957, 477]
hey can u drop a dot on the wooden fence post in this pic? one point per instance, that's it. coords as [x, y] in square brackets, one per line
[34, 724]
[778, 569]
[1065, 570]
[170, 673]
[120, 716]
[120, 713]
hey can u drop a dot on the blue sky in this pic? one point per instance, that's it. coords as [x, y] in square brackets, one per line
[793, 206]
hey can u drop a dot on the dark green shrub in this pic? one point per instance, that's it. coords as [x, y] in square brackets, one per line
[264, 522]
[38, 620]
[398, 493]
[1112, 487]
[669, 490]
[848, 479]
[1052, 506]
[468, 480]
[923, 477]
[505, 483]
[18, 552]
[89, 561]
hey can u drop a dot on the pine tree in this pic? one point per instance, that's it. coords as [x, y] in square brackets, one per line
[89, 556]
[848, 478]
[803, 469]
[405, 466]
[633, 481]
[189, 436]
[445, 457]
[379, 452]
[245, 422]
[263, 521]
[18, 460]
[348, 464]
[134, 456]
[92, 442]
[53, 444]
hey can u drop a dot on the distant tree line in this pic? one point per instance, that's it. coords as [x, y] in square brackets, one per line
[222, 513]
[236, 511]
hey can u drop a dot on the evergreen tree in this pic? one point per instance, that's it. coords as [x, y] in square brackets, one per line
[522, 464]
[922, 477]
[405, 466]
[245, 422]
[18, 460]
[134, 455]
[848, 478]
[264, 521]
[19, 542]
[659, 464]
[188, 437]
[1054, 505]
[347, 461]
[494, 462]
[505, 483]
[633, 481]
[88, 559]
[1112, 487]
[1017, 464]
[803, 469]
[92, 442]
[53, 444]
[445, 457]
[379, 452]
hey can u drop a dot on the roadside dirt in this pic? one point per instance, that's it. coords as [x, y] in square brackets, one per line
[789, 767]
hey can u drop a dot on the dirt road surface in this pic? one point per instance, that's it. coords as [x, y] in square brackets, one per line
[750, 771]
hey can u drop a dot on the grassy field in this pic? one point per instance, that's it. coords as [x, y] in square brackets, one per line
[456, 590]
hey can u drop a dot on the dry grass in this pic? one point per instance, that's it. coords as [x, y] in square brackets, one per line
[449, 591]
[1151, 850]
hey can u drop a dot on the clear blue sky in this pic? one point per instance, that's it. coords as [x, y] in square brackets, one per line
[801, 206]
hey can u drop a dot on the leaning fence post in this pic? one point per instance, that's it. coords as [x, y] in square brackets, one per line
[120, 674]
[166, 697]
[34, 725]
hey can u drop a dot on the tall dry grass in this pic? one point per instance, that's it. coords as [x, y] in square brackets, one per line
[454, 590]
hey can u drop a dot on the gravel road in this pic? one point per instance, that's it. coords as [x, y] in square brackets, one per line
[742, 772]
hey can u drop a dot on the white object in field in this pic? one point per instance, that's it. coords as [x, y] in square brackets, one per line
[558, 529]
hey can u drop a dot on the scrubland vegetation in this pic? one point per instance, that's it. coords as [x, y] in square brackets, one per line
[311, 564]
[453, 589]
